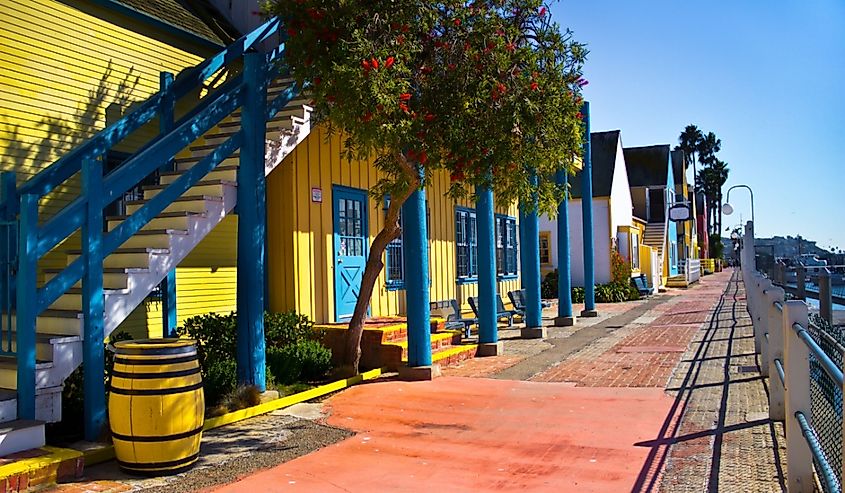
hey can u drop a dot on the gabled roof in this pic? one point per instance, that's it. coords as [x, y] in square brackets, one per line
[184, 15]
[603, 147]
[679, 166]
[647, 166]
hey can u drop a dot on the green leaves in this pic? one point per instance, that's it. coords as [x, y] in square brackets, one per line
[487, 90]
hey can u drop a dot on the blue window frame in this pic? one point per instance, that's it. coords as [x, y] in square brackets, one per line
[466, 244]
[394, 257]
[506, 247]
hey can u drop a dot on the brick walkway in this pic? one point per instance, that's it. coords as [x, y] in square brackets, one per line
[698, 345]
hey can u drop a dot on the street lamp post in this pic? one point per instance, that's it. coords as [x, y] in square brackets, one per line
[727, 208]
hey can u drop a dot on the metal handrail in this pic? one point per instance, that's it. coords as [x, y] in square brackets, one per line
[827, 474]
[829, 366]
[781, 373]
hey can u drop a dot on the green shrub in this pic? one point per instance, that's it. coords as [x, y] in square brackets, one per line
[220, 378]
[303, 360]
[216, 337]
[293, 351]
[616, 293]
[548, 288]
[283, 329]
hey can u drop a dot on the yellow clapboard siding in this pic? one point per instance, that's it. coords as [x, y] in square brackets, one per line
[62, 69]
[301, 250]
[62, 20]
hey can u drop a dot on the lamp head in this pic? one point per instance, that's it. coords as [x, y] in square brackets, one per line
[727, 209]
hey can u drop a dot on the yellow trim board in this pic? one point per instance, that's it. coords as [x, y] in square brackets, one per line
[56, 455]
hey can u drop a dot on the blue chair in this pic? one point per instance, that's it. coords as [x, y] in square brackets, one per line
[456, 320]
[501, 313]
[641, 283]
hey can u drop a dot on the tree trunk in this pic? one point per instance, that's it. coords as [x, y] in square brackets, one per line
[391, 231]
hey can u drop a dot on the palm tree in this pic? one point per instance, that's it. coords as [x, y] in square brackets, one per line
[720, 172]
[707, 148]
[689, 141]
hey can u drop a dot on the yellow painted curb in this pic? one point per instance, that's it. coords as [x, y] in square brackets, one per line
[56, 456]
[290, 400]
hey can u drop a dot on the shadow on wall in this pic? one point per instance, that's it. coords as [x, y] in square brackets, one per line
[21, 152]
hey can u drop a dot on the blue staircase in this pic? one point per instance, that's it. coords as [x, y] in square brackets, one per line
[247, 118]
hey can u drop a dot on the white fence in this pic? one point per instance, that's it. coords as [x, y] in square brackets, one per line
[693, 270]
[782, 337]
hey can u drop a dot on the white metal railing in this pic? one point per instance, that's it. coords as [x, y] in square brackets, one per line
[693, 270]
[782, 338]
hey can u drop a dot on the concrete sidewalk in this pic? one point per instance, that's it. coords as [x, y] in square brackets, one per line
[656, 395]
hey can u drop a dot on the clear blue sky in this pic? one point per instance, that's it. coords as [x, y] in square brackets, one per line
[768, 77]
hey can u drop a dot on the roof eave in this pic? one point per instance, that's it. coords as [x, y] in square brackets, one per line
[158, 23]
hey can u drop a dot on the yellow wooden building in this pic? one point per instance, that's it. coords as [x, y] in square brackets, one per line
[307, 194]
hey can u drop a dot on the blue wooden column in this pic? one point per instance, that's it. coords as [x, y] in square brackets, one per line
[587, 221]
[93, 303]
[565, 317]
[530, 258]
[488, 331]
[26, 300]
[252, 225]
[415, 259]
[168, 285]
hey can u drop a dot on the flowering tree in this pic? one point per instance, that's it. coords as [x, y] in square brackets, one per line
[486, 90]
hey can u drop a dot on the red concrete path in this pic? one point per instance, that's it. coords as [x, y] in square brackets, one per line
[470, 434]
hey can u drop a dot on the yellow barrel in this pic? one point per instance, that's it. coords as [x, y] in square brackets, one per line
[156, 405]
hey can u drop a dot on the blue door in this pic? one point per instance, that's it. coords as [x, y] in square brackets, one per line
[350, 247]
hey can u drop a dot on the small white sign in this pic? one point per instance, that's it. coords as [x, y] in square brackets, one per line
[316, 195]
[679, 212]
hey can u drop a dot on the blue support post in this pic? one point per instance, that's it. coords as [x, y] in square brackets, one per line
[521, 238]
[93, 303]
[587, 220]
[8, 253]
[488, 331]
[415, 258]
[565, 317]
[530, 258]
[166, 125]
[252, 226]
[27, 300]
[168, 304]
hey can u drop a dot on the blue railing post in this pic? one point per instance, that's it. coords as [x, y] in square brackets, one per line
[587, 220]
[488, 330]
[93, 304]
[565, 317]
[530, 255]
[415, 258]
[8, 255]
[168, 285]
[252, 225]
[27, 300]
